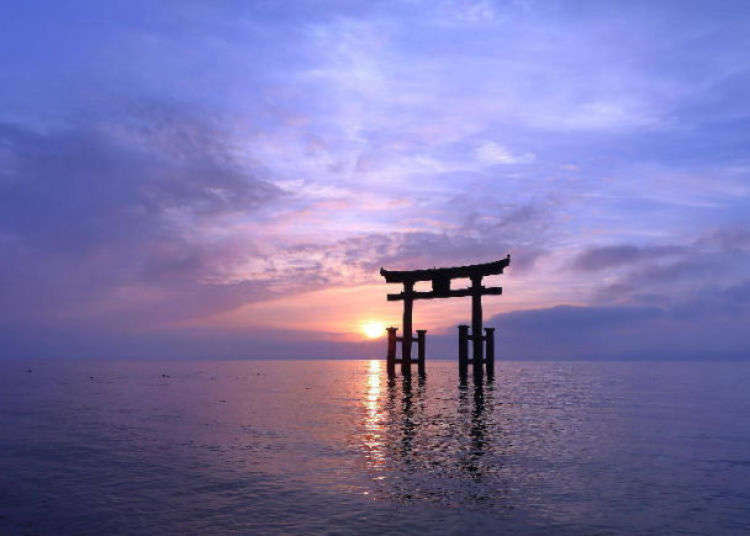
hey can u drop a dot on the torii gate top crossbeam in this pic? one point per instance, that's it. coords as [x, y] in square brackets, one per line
[441, 278]
[472, 270]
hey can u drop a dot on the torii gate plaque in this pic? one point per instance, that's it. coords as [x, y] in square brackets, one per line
[441, 288]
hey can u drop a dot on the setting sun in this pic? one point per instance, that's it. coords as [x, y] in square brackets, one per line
[373, 329]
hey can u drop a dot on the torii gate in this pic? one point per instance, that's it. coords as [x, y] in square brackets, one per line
[441, 288]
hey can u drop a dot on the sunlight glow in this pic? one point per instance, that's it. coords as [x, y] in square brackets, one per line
[373, 329]
[373, 438]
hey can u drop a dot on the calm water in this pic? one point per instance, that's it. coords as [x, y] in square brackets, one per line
[324, 447]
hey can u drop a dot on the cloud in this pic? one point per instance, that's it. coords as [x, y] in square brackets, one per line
[728, 239]
[477, 236]
[631, 331]
[493, 153]
[686, 330]
[480, 11]
[666, 275]
[115, 215]
[599, 258]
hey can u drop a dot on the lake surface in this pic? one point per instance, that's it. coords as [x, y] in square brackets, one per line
[333, 447]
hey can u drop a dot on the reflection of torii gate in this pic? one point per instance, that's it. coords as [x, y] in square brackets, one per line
[441, 288]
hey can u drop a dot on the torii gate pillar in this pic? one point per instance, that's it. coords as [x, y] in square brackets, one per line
[476, 320]
[406, 342]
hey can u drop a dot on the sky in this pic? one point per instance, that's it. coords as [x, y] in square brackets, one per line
[224, 180]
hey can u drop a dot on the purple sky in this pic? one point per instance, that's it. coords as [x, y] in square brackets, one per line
[185, 180]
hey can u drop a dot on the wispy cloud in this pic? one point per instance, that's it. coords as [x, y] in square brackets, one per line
[494, 153]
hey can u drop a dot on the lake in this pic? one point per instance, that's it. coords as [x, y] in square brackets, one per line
[334, 447]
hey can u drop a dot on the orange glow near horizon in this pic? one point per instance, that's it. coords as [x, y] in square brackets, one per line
[362, 312]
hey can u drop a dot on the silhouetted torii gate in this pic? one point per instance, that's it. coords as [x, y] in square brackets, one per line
[441, 288]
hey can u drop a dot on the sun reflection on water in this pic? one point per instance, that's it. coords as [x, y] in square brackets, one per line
[374, 427]
[448, 433]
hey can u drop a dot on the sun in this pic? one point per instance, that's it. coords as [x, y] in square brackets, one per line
[372, 329]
